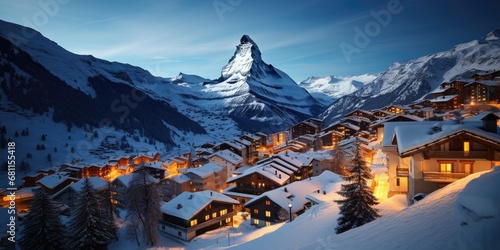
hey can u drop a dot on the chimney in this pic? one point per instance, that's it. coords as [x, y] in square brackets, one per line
[179, 206]
[286, 190]
[279, 176]
[210, 193]
[275, 172]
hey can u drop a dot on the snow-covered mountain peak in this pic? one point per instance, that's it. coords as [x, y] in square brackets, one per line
[494, 35]
[246, 60]
[327, 89]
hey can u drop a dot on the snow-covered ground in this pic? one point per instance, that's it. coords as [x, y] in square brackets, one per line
[462, 215]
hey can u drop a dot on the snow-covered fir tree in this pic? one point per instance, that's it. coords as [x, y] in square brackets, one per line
[339, 162]
[357, 207]
[42, 227]
[143, 204]
[458, 118]
[90, 224]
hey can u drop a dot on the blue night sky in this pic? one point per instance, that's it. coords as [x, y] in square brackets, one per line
[302, 38]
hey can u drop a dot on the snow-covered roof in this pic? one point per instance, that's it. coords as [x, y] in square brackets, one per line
[228, 156]
[191, 203]
[296, 192]
[157, 165]
[205, 170]
[491, 83]
[53, 180]
[439, 90]
[180, 178]
[413, 137]
[125, 179]
[444, 98]
[233, 144]
[96, 183]
[391, 126]
[242, 141]
[265, 170]
[393, 117]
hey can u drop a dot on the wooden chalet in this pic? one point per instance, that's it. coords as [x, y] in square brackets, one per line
[193, 213]
[426, 156]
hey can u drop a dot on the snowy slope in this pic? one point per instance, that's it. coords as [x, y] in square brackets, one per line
[327, 89]
[406, 82]
[250, 95]
[435, 222]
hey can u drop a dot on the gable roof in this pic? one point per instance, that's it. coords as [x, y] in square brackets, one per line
[53, 180]
[228, 156]
[411, 139]
[191, 203]
[203, 171]
[296, 192]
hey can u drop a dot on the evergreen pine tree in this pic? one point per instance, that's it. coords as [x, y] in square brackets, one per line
[90, 225]
[42, 227]
[143, 204]
[357, 207]
[339, 162]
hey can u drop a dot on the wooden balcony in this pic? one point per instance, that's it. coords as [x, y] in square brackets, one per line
[458, 154]
[402, 172]
[443, 177]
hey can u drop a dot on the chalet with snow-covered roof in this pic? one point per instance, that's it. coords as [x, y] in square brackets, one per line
[234, 147]
[227, 159]
[361, 114]
[361, 122]
[378, 126]
[433, 155]
[146, 158]
[486, 75]
[395, 109]
[155, 169]
[53, 183]
[207, 177]
[330, 139]
[482, 91]
[31, 180]
[380, 114]
[279, 138]
[175, 185]
[273, 206]
[69, 194]
[254, 139]
[194, 213]
[346, 129]
[271, 173]
[447, 102]
[294, 146]
[304, 128]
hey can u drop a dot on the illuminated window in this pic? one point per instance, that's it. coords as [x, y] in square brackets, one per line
[223, 212]
[268, 203]
[228, 220]
[445, 167]
[255, 222]
[207, 217]
[268, 223]
[214, 215]
[466, 148]
[194, 222]
[268, 213]
[256, 211]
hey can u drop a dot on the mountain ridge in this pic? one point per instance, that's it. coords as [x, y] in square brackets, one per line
[406, 82]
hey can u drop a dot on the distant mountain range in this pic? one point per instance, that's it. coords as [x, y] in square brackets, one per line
[404, 83]
[250, 95]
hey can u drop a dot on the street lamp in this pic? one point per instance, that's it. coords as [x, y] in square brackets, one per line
[290, 206]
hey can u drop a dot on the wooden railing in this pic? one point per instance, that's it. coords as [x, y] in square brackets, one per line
[458, 154]
[403, 172]
[443, 177]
